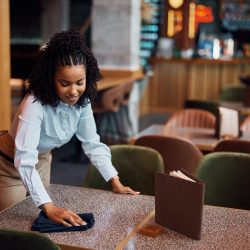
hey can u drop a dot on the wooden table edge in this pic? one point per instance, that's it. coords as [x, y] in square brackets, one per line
[124, 242]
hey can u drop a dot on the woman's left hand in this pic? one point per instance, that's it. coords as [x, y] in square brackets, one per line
[119, 188]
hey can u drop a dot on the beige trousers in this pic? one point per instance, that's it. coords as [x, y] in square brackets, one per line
[11, 186]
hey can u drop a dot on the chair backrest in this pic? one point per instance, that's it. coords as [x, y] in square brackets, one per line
[112, 99]
[136, 166]
[232, 93]
[195, 118]
[226, 177]
[21, 240]
[177, 153]
[127, 88]
[209, 106]
[233, 146]
[2, 132]
[245, 126]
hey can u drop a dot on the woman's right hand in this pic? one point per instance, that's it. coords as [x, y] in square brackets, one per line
[62, 216]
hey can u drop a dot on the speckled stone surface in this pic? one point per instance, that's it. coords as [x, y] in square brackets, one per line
[223, 228]
[115, 215]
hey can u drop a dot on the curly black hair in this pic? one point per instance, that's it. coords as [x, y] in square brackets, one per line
[66, 48]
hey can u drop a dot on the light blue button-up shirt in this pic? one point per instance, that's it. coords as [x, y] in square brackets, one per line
[39, 128]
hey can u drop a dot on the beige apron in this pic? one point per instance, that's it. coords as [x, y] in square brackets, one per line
[11, 187]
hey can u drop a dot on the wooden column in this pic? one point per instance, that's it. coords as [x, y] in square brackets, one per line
[119, 49]
[4, 65]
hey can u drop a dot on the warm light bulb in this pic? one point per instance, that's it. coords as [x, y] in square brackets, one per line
[175, 3]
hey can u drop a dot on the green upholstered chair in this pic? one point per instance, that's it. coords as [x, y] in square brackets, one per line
[226, 177]
[136, 166]
[22, 240]
[232, 93]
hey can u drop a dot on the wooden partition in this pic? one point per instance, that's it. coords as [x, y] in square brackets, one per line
[5, 108]
[176, 80]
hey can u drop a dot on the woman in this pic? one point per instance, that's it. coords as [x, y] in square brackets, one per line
[57, 106]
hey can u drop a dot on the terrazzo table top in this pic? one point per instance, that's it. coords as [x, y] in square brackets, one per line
[222, 229]
[115, 215]
[118, 216]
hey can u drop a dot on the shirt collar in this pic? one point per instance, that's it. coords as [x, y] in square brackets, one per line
[62, 107]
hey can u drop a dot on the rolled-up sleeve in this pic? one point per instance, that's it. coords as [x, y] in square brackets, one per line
[26, 153]
[97, 152]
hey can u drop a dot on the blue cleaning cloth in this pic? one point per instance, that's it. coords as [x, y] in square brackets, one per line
[44, 225]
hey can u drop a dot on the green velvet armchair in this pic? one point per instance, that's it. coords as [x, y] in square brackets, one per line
[226, 176]
[136, 166]
[22, 240]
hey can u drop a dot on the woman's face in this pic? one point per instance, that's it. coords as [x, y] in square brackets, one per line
[70, 83]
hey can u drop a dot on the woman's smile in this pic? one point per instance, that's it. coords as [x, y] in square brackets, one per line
[70, 83]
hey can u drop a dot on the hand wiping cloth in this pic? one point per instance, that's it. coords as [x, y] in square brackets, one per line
[44, 225]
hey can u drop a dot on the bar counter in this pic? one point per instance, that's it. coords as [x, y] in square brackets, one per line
[201, 60]
[118, 219]
[177, 80]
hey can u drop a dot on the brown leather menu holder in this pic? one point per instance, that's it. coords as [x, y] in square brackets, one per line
[179, 204]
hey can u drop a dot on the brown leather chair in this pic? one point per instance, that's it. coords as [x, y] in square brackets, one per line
[177, 153]
[194, 118]
[245, 126]
[237, 146]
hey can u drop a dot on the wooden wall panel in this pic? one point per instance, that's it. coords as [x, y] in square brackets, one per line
[167, 88]
[175, 81]
[5, 109]
[203, 81]
[230, 73]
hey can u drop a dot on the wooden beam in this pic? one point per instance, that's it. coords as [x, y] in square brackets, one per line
[5, 96]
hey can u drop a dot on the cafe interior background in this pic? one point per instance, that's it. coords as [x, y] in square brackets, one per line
[165, 52]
